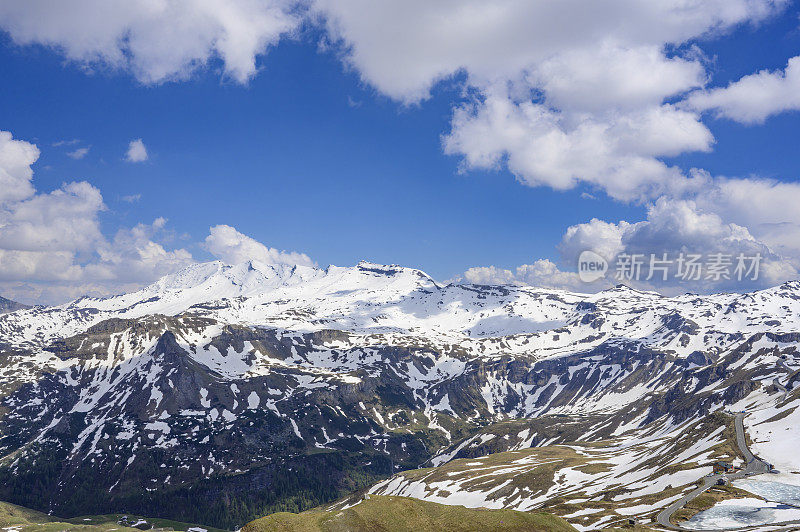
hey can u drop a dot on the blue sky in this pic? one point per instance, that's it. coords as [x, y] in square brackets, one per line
[315, 153]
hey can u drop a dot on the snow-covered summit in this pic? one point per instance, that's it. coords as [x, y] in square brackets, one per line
[203, 282]
[216, 280]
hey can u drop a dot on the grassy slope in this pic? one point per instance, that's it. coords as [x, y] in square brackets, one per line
[396, 514]
[26, 520]
[535, 470]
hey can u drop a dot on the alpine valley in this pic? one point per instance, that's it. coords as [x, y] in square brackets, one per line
[224, 393]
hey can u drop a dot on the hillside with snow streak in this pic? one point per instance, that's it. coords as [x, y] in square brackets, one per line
[243, 385]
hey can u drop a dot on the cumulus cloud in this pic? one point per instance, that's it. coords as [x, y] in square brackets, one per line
[560, 93]
[20, 265]
[52, 246]
[544, 147]
[16, 159]
[674, 228]
[542, 273]
[604, 238]
[768, 208]
[64, 220]
[612, 76]
[404, 48]
[675, 231]
[137, 152]
[233, 247]
[598, 116]
[753, 98]
[732, 217]
[156, 41]
[133, 256]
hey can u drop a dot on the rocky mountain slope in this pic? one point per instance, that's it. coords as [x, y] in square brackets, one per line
[222, 393]
[7, 305]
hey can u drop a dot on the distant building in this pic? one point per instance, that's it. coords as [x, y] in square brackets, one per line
[722, 467]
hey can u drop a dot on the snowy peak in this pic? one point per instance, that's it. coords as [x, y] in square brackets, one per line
[232, 280]
[371, 298]
[216, 281]
[201, 283]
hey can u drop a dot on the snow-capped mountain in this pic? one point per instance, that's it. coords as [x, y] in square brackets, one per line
[243, 385]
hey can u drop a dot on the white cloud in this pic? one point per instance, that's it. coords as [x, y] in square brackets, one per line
[674, 227]
[233, 247]
[768, 208]
[62, 220]
[79, 153]
[604, 238]
[560, 93]
[19, 265]
[753, 98]
[488, 275]
[404, 48]
[155, 40]
[137, 152]
[543, 273]
[133, 256]
[51, 244]
[16, 158]
[544, 147]
[614, 77]
[52, 248]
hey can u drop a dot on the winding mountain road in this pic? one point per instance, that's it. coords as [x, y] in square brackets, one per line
[755, 466]
[789, 372]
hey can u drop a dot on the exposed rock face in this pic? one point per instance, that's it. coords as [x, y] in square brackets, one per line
[253, 388]
[7, 305]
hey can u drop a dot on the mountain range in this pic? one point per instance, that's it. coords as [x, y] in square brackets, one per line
[222, 393]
